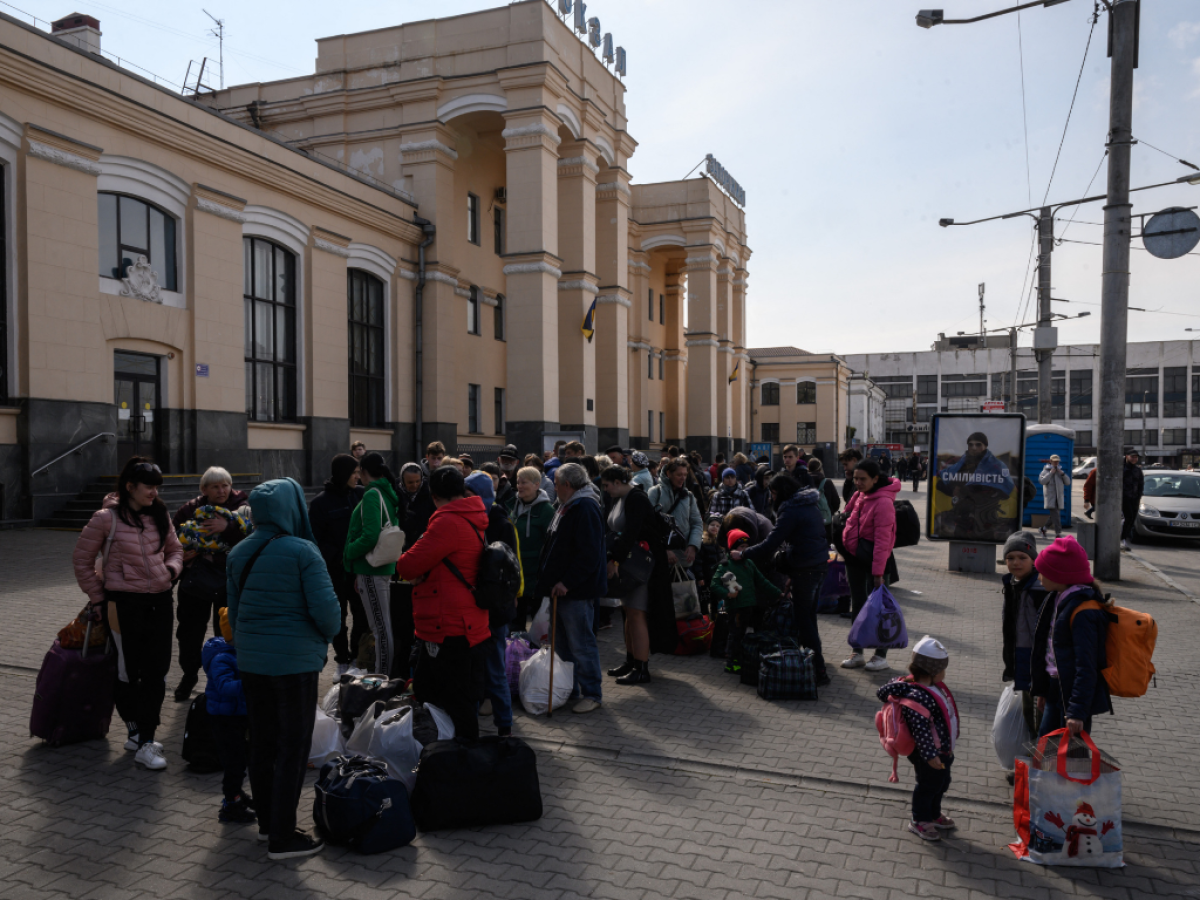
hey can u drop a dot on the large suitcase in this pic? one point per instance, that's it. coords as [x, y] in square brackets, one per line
[358, 805]
[788, 675]
[755, 646]
[199, 742]
[492, 782]
[73, 698]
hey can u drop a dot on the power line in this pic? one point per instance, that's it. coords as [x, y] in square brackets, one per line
[1169, 155]
[1096, 244]
[1086, 191]
[1074, 95]
[1024, 113]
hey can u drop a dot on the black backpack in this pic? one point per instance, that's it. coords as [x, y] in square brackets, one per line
[498, 580]
[908, 525]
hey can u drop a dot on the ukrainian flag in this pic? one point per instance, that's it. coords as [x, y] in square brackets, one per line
[734, 374]
[589, 322]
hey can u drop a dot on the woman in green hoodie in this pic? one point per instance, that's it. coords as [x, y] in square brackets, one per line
[380, 505]
[531, 517]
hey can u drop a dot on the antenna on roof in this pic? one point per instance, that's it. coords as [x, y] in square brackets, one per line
[219, 34]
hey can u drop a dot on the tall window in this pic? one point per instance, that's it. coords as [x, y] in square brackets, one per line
[1141, 389]
[130, 228]
[770, 395]
[3, 287]
[1195, 392]
[1081, 394]
[806, 432]
[1175, 391]
[650, 303]
[473, 411]
[473, 311]
[926, 389]
[660, 368]
[770, 432]
[662, 426]
[499, 399]
[650, 425]
[472, 218]
[269, 299]
[662, 310]
[498, 226]
[806, 392]
[499, 321]
[365, 295]
[650, 364]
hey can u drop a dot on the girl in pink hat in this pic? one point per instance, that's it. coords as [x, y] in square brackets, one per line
[1068, 647]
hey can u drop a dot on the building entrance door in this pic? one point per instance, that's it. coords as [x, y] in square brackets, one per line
[136, 388]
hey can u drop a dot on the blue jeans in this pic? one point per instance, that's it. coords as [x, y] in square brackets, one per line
[496, 678]
[806, 584]
[575, 642]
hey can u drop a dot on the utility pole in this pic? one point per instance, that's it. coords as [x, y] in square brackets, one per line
[1114, 298]
[1144, 395]
[1012, 373]
[219, 34]
[1046, 336]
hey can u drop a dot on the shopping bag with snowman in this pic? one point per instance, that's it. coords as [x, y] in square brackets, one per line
[1067, 808]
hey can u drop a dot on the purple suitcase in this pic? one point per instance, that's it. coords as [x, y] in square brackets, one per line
[73, 700]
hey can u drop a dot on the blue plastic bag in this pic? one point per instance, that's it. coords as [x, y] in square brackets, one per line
[880, 623]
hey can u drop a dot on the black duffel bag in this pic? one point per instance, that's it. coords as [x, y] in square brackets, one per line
[461, 785]
[358, 805]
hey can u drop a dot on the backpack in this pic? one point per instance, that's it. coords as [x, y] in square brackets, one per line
[908, 525]
[1128, 648]
[498, 578]
[894, 735]
[823, 503]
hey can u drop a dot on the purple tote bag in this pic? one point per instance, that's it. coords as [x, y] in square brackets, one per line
[880, 623]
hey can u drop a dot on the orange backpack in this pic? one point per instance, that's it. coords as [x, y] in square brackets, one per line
[1128, 648]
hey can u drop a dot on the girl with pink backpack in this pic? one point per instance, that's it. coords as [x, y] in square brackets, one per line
[920, 720]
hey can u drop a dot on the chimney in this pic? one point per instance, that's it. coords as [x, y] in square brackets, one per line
[79, 31]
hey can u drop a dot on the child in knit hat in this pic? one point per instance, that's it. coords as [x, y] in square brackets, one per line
[1023, 599]
[934, 734]
[1068, 654]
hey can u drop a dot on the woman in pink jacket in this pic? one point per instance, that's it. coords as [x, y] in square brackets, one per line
[140, 558]
[869, 537]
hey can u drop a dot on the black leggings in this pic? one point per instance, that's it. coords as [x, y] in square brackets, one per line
[144, 645]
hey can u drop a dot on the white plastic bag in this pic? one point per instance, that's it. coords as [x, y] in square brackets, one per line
[535, 682]
[329, 704]
[539, 631]
[327, 740]
[1010, 734]
[392, 742]
[360, 738]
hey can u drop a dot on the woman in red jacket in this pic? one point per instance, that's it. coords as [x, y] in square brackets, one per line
[140, 558]
[869, 537]
[449, 625]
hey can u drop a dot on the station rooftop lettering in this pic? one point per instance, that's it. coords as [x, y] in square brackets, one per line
[717, 173]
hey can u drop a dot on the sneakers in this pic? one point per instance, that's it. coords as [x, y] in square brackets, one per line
[854, 661]
[183, 693]
[732, 667]
[943, 823]
[485, 707]
[1043, 530]
[237, 811]
[586, 705]
[878, 664]
[150, 756]
[299, 844]
[926, 831]
[1125, 545]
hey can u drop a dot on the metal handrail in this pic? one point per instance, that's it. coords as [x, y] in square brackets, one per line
[75, 449]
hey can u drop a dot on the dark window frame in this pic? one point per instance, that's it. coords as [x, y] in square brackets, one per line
[498, 409]
[1174, 437]
[366, 339]
[499, 324]
[474, 413]
[662, 310]
[284, 373]
[474, 313]
[769, 394]
[650, 303]
[498, 226]
[1174, 392]
[661, 366]
[1082, 385]
[770, 432]
[806, 432]
[473, 236]
[4, 220]
[803, 390]
[168, 270]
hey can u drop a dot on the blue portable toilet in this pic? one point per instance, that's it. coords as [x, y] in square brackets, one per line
[1041, 441]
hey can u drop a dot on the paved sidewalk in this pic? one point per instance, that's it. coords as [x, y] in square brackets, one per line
[691, 788]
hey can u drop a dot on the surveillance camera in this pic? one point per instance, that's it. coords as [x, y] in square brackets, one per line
[927, 18]
[945, 222]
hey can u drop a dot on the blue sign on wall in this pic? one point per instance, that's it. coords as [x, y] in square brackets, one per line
[764, 449]
[201, 370]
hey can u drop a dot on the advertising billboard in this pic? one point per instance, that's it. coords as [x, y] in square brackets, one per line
[976, 480]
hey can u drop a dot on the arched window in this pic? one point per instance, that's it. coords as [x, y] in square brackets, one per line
[130, 228]
[365, 296]
[770, 394]
[270, 322]
[806, 392]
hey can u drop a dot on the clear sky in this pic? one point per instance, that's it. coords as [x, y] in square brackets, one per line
[852, 131]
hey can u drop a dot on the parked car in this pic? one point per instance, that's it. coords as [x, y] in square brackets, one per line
[1084, 468]
[1170, 505]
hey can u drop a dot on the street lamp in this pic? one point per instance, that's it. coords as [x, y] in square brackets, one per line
[927, 18]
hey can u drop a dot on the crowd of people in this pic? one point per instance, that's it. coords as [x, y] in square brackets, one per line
[384, 566]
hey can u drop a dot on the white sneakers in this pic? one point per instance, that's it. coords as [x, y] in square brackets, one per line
[585, 705]
[485, 707]
[858, 661]
[855, 661]
[1125, 545]
[150, 756]
[878, 664]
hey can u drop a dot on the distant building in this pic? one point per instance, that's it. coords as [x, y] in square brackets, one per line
[798, 397]
[867, 405]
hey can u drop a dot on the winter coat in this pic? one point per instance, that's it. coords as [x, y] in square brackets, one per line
[365, 526]
[531, 523]
[223, 693]
[682, 507]
[642, 524]
[230, 536]
[1019, 597]
[757, 526]
[416, 514]
[801, 527]
[1054, 483]
[574, 553]
[745, 472]
[1133, 483]
[727, 498]
[987, 473]
[442, 605]
[1079, 654]
[754, 584]
[138, 561]
[848, 489]
[711, 555]
[282, 624]
[329, 515]
[1089, 488]
[506, 495]
[644, 478]
[872, 518]
[921, 728]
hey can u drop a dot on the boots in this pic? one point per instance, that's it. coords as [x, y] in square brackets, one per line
[625, 669]
[639, 673]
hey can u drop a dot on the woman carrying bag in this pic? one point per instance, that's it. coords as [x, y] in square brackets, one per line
[373, 545]
[869, 536]
[643, 579]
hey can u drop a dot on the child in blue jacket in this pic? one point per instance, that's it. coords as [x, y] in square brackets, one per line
[228, 718]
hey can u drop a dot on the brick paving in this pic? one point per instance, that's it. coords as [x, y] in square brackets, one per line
[692, 788]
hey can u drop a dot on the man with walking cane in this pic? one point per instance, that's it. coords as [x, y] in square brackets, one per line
[573, 571]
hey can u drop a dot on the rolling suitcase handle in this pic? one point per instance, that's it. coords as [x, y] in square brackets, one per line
[553, 629]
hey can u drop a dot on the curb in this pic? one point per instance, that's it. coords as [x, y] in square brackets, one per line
[1166, 579]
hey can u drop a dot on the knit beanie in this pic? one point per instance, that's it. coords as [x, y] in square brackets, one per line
[342, 468]
[735, 537]
[1022, 542]
[481, 484]
[728, 473]
[1064, 561]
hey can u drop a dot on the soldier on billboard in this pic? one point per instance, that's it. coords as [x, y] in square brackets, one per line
[977, 484]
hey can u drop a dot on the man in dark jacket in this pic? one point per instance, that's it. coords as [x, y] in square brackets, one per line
[849, 459]
[329, 513]
[801, 527]
[419, 502]
[1133, 484]
[202, 585]
[507, 462]
[573, 570]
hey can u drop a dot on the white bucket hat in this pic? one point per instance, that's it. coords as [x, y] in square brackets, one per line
[931, 647]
